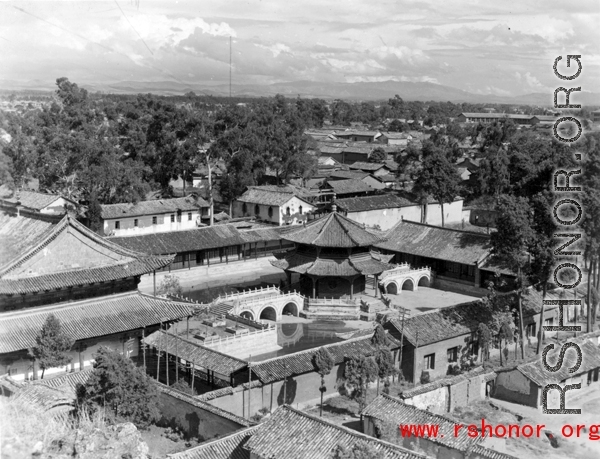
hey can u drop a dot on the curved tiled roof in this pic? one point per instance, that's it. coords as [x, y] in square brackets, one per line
[333, 230]
[69, 254]
[89, 318]
[155, 207]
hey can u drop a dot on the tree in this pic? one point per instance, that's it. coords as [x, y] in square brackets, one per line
[383, 356]
[52, 345]
[95, 214]
[359, 372]
[360, 450]
[438, 178]
[484, 336]
[378, 155]
[506, 334]
[117, 384]
[323, 363]
[510, 242]
[170, 286]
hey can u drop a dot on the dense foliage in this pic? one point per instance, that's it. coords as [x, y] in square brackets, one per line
[52, 345]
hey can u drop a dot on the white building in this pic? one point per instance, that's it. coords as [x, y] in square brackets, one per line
[281, 205]
[41, 202]
[382, 211]
[157, 216]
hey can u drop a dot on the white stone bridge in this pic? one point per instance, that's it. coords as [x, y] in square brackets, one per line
[403, 277]
[268, 303]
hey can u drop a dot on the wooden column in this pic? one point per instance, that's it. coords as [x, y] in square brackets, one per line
[351, 287]
[314, 283]
[376, 286]
[154, 280]
[226, 249]
[255, 250]
[80, 357]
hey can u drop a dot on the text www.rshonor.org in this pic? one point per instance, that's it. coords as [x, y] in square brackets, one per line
[484, 430]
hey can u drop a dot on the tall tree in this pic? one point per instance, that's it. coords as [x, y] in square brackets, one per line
[438, 178]
[359, 372]
[514, 236]
[52, 345]
[323, 362]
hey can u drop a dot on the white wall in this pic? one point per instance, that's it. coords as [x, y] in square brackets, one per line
[386, 218]
[57, 207]
[452, 213]
[145, 226]
[278, 212]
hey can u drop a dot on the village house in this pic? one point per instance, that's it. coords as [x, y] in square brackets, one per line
[358, 136]
[525, 383]
[395, 138]
[436, 342]
[375, 169]
[374, 182]
[291, 434]
[280, 205]
[387, 411]
[158, 216]
[40, 202]
[347, 188]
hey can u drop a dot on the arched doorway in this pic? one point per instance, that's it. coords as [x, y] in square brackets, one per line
[408, 284]
[392, 288]
[269, 314]
[290, 308]
[247, 315]
[424, 282]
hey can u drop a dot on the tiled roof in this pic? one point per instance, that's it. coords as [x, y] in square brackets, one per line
[437, 242]
[333, 230]
[366, 166]
[348, 186]
[324, 266]
[536, 372]
[357, 175]
[497, 115]
[89, 318]
[395, 411]
[34, 200]
[272, 195]
[157, 207]
[459, 320]
[478, 451]
[209, 237]
[195, 353]
[292, 434]
[17, 233]
[277, 368]
[70, 380]
[365, 203]
[43, 398]
[229, 447]
[69, 254]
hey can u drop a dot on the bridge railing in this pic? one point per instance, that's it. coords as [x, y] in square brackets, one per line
[393, 274]
[332, 301]
[228, 339]
[253, 301]
[233, 296]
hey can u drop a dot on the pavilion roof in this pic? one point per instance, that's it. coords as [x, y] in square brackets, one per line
[366, 263]
[333, 230]
[68, 254]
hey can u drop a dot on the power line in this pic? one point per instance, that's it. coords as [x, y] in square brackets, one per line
[134, 29]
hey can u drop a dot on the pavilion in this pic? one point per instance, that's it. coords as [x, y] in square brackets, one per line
[332, 254]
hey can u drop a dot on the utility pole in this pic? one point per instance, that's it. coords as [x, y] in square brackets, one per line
[158, 354]
[249, 381]
[176, 353]
[405, 312]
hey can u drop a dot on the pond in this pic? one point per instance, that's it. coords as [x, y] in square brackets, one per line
[294, 337]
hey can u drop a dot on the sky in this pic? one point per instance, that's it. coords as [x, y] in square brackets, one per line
[503, 48]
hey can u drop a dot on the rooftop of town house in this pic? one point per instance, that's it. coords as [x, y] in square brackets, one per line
[156, 207]
[483, 373]
[349, 186]
[333, 230]
[47, 262]
[397, 135]
[462, 319]
[41, 398]
[366, 166]
[342, 174]
[376, 202]
[89, 318]
[536, 372]
[498, 115]
[272, 195]
[277, 368]
[35, 200]
[394, 411]
[291, 434]
[194, 352]
[229, 447]
[350, 132]
[437, 242]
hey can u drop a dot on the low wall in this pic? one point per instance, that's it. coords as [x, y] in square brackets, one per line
[258, 342]
[445, 283]
[195, 418]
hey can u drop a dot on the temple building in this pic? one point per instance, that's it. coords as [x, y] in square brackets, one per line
[63, 269]
[332, 255]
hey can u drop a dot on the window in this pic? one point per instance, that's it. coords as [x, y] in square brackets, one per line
[287, 211]
[154, 220]
[474, 348]
[135, 222]
[117, 224]
[300, 210]
[189, 216]
[172, 218]
[453, 354]
[270, 212]
[430, 362]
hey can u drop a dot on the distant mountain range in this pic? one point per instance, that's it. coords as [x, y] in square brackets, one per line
[325, 90]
